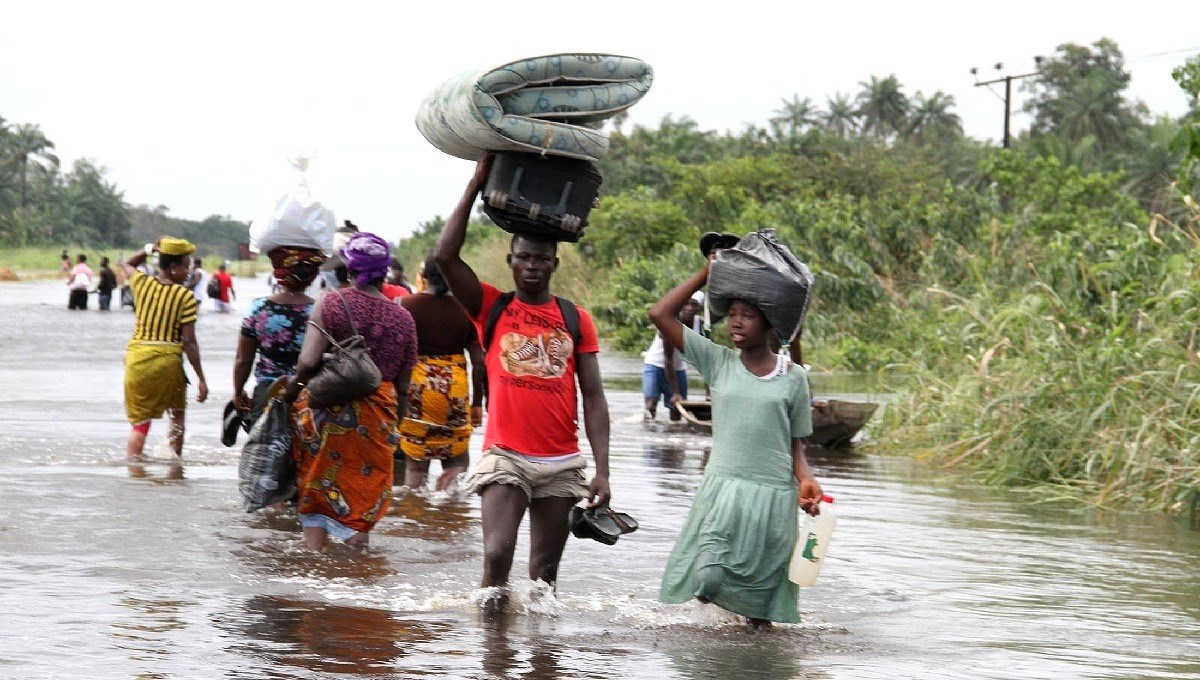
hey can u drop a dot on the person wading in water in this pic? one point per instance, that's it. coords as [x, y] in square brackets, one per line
[531, 459]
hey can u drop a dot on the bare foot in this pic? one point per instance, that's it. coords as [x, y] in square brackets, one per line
[495, 603]
[760, 624]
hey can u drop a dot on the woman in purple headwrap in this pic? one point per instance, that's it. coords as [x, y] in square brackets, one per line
[344, 453]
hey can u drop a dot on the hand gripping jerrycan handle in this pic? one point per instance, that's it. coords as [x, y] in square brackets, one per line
[811, 544]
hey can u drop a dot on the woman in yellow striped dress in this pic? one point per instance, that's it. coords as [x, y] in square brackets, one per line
[165, 332]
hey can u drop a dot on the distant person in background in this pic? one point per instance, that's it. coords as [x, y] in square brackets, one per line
[108, 283]
[438, 425]
[664, 375]
[165, 329]
[79, 281]
[274, 328]
[197, 281]
[64, 262]
[342, 276]
[396, 275]
[395, 287]
[225, 293]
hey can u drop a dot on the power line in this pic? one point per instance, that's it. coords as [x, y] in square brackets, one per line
[1007, 80]
[1163, 55]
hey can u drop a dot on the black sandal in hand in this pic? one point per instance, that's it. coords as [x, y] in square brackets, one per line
[601, 524]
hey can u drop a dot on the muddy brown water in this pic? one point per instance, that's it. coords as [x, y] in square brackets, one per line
[156, 572]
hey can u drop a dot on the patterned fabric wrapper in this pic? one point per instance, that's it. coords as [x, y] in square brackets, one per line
[296, 268]
[438, 424]
[344, 457]
[368, 256]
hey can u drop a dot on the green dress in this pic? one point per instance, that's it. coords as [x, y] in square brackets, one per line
[739, 535]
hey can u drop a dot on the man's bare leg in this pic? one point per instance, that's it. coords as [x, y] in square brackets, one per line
[549, 527]
[503, 508]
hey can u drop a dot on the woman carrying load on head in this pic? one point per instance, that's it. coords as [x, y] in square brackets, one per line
[344, 453]
[165, 332]
[438, 425]
[274, 329]
[738, 538]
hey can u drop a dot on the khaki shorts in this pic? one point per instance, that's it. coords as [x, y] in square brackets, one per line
[564, 479]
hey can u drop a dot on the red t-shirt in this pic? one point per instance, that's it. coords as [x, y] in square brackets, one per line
[532, 404]
[391, 291]
[225, 281]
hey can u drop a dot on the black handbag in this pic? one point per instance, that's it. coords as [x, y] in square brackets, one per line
[347, 370]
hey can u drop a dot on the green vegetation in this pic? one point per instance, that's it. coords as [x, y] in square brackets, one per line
[1035, 308]
[40, 205]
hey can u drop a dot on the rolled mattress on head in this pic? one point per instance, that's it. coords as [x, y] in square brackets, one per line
[552, 104]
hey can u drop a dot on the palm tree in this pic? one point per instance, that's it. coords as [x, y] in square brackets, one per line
[1093, 109]
[883, 106]
[796, 114]
[932, 119]
[842, 117]
[30, 146]
[1151, 164]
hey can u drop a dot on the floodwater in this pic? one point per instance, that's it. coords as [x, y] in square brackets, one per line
[156, 572]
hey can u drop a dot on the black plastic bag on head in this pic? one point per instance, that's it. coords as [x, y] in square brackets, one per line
[762, 271]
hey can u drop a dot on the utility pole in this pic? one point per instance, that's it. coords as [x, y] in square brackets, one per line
[1007, 80]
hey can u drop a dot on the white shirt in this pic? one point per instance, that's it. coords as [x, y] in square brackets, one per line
[656, 355]
[201, 286]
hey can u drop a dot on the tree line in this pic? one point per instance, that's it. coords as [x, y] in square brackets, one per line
[42, 203]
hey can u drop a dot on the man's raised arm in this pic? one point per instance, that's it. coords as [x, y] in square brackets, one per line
[458, 274]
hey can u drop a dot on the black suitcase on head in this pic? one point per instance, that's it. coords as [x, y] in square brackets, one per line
[546, 196]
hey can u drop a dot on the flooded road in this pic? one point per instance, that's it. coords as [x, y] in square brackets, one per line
[156, 572]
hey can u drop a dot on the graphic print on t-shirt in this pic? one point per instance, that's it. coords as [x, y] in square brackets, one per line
[543, 355]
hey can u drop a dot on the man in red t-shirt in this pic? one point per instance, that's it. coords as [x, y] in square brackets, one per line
[531, 458]
[225, 293]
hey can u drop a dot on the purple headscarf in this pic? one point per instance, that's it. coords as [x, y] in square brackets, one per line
[367, 256]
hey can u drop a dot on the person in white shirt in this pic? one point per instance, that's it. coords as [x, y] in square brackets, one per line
[79, 281]
[196, 281]
[664, 375]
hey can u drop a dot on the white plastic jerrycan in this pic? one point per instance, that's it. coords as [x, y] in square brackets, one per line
[812, 543]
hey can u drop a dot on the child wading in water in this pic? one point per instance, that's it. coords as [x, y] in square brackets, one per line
[739, 535]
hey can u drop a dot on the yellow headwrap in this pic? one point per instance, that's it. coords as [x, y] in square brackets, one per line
[169, 245]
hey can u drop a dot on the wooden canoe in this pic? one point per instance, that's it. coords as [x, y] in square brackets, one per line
[835, 422]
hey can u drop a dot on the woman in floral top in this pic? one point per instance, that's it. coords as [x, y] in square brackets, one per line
[274, 328]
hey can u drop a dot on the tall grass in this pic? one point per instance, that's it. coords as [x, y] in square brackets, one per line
[1095, 400]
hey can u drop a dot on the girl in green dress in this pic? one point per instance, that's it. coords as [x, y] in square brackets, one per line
[739, 535]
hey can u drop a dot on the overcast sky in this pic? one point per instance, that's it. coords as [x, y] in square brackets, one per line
[196, 106]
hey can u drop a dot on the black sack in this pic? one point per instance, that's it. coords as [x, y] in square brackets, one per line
[546, 196]
[762, 271]
[267, 470]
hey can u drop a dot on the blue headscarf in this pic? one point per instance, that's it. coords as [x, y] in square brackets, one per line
[367, 257]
